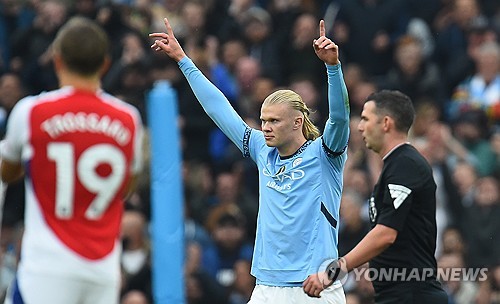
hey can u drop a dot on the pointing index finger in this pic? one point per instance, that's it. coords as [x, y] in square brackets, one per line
[170, 32]
[322, 28]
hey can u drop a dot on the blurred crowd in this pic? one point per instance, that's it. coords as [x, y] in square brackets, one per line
[444, 54]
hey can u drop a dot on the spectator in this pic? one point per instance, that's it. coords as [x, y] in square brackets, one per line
[31, 47]
[465, 177]
[488, 292]
[262, 87]
[263, 47]
[459, 291]
[231, 245]
[172, 9]
[482, 90]
[247, 71]
[427, 133]
[454, 40]
[453, 241]
[11, 90]
[367, 31]
[362, 166]
[133, 55]
[194, 14]
[135, 258]
[298, 60]
[481, 225]
[199, 187]
[312, 97]
[420, 30]
[203, 289]
[229, 191]
[413, 74]
[471, 131]
[223, 69]
[353, 226]
[495, 146]
[84, 8]
[110, 16]
[359, 93]
[10, 252]
[10, 15]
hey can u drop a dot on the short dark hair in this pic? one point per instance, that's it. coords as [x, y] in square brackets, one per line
[83, 46]
[395, 104]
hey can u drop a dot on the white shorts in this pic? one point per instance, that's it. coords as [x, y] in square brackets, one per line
[295, 295]
[36, 289]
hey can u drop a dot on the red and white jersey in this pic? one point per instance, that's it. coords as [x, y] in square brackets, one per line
[79, 150]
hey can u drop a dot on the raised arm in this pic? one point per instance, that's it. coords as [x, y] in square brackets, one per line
[336, 133]
[210, 97]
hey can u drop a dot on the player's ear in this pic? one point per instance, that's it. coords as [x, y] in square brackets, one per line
[58, 62]
[297, 123]
[105, 65]
[387, 123]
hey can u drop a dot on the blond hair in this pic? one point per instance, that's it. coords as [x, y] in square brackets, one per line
[309, 130]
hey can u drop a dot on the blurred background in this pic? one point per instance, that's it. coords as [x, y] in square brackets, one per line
[444, 54]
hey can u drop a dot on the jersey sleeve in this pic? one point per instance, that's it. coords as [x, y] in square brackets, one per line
[138, 159]
[402, 179]
[17, 131]
[216, 105]
[336, 133]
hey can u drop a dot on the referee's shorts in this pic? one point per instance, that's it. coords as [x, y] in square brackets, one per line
[429, 292]
[262, 294]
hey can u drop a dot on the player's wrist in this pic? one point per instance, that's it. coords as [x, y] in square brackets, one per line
[343, 264]
[336, 270]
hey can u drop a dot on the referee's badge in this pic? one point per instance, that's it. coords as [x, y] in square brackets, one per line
[399, 194]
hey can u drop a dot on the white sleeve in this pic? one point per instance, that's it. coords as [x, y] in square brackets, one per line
[138, 158]
[17, 134]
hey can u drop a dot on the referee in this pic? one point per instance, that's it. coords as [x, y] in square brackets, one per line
[402, 241]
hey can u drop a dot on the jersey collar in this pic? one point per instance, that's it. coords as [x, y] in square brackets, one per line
[395, 147]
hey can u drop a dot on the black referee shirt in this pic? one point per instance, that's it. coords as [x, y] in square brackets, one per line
[404, 199]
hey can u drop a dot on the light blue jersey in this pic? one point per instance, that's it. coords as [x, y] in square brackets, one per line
[299, 199]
